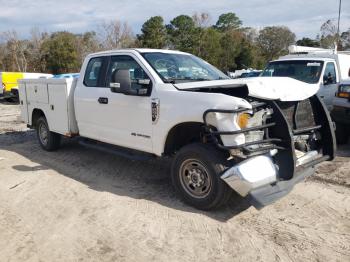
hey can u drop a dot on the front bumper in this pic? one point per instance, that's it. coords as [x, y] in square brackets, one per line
[266, 177]
[257, 179]
[251, 174]
[266, 195]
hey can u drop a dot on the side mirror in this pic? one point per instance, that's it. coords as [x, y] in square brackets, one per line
[121, 83]
[327, 80]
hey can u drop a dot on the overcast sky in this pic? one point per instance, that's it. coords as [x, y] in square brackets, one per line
[304, 17]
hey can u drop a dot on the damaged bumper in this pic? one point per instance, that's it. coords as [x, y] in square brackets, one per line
[257, 179]
[251, 174]
[300, 134]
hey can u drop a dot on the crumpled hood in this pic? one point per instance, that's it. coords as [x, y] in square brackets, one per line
[271, 88]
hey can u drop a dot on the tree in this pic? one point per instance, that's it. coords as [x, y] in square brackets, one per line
[230, 49]
[60, 53]
[209, 46]
[345, 40]
[35, 59]
[17, 51]
[273, 41]
[154, 33]
[115, 35]
[329, 35]
[228, 21]
[87, 43]
[201, 20]
[183, 33]
[305, 41]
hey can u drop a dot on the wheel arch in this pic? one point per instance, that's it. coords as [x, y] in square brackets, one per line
[181, 135]
[36, 114]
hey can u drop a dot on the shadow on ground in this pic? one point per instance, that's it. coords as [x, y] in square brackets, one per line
[100, 171]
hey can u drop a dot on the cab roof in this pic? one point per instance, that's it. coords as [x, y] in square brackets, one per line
[139, 50]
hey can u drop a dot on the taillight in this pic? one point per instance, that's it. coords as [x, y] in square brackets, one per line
[344, 91]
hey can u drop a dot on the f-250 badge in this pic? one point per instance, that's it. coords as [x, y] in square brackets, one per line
[155, 110]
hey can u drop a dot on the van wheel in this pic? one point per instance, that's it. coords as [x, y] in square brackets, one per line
[48, 140]
[341, 134]
[196, 172]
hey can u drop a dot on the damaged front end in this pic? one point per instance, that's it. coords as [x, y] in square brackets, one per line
[279, 147]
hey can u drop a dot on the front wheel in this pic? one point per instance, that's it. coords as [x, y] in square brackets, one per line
[48, 140]
[196, 172]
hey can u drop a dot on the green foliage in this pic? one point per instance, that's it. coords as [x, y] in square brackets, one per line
[305, 41]
[228, 21]
[230, 49]
[60, 53]
[154, 33]
[227, 44]
[183, 33]
[209, 46]
[273, 41]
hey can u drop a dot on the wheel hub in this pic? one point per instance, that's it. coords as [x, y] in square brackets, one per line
[195, 179]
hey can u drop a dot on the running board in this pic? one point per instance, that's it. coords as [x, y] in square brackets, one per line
[117, 150]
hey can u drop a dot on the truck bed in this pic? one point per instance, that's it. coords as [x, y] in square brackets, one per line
[55, 97]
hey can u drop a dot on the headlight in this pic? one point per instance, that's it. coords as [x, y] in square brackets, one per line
[243, 119]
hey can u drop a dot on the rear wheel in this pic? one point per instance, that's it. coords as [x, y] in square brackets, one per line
[48, 140]
[341, 133]
[196, 172]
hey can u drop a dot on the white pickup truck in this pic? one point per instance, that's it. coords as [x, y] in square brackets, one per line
[257, 137]
[324, 68]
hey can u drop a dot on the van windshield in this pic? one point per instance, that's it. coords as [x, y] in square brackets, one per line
[308, 71]
[182, 68]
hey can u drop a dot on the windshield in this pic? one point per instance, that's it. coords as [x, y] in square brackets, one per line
[182, 68]
[308, 71]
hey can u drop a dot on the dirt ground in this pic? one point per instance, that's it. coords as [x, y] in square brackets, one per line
[78, 204]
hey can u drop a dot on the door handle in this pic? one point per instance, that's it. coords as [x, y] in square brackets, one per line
[103, 100]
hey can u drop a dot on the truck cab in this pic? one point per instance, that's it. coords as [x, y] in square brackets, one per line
[257, 137]
[320, 67]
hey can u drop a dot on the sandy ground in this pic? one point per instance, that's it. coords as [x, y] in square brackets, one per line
[78, 204]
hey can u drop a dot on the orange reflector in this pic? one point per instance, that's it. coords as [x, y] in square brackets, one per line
[243, 120]
[345, 95]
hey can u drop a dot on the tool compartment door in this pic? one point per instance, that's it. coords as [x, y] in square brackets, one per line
[58, 108]
[37, 92]
[23, 102]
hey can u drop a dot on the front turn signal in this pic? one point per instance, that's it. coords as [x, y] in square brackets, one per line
[242, 120]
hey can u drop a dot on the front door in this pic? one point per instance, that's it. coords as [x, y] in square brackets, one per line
[329, 85]
[115, 118]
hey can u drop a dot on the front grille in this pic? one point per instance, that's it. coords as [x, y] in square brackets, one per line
[298, 114]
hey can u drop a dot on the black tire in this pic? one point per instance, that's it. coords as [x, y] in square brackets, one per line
[51, 141]
[341, 133]
[214, 193]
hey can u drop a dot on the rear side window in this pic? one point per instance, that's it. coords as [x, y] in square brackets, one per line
[94, 72]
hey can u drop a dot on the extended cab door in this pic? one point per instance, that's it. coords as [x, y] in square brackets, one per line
[116, 118]
[329, 85]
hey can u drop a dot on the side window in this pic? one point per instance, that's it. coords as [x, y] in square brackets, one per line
[330, 76]
[93, 73]
[137, 74]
